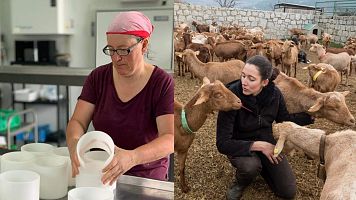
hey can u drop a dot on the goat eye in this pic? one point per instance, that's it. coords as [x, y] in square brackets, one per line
[218, 95]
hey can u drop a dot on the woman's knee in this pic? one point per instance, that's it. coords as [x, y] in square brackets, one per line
[250, 167]
[287, 192]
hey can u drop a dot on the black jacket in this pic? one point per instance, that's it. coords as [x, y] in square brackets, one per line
[238, 129]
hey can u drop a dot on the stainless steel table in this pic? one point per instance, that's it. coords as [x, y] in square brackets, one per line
[136, 188]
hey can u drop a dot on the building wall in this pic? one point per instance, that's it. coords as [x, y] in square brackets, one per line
[275, 24]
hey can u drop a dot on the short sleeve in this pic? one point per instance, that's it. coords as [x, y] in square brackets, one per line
[165, 102]
[88, 91]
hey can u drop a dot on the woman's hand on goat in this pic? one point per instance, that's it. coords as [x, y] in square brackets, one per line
[123, 161]
[268, 150]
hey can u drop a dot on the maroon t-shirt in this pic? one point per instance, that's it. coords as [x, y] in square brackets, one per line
[131, 124]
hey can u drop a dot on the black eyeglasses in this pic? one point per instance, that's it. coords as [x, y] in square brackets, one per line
[109, 50]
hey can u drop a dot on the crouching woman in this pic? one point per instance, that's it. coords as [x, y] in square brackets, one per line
[245, 135]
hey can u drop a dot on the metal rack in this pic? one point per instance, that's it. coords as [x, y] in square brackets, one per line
[60, 76]
[56, 103]
[24, 127]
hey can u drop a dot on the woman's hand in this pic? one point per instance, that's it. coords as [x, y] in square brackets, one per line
[268, 150]
[123, 161]
[74, 158]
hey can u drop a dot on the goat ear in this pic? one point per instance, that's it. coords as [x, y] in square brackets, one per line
[179, 54]
[280, 145]
[203, 98]
[206, 80]
[309, 66]
[319, 103]
[345, 93]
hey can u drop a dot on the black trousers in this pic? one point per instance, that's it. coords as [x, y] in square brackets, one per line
[280, 177]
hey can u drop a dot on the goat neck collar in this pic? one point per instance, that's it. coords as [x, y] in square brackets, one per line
[317, 75]
[185, 122]
[322, 158]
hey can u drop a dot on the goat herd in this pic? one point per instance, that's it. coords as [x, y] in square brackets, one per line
[215, 55]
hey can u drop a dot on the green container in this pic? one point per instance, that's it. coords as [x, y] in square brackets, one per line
[4, 116]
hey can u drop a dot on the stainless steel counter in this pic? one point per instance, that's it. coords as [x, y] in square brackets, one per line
[136, 188]
[44, 75]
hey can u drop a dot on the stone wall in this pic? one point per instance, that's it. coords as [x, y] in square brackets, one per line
[275, 24]
[340, 27]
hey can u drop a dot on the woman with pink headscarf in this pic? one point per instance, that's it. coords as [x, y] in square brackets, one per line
[130, 100]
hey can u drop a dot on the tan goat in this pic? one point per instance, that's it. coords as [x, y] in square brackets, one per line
[256, 49]
[223, 71]
[289, 57]
[303, 41]
[326, 39]
[179, 46]
[210, 97]
[274, 52]
[340, 61]
[323, 77]
[312, 38]
[339, 153]
[300, 98]
[296, 31]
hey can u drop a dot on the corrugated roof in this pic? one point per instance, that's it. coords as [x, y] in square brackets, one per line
[295, 5]
[309, 27]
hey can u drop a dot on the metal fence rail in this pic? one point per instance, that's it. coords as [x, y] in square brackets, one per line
[337, 7]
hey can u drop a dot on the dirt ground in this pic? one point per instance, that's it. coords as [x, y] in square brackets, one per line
[209, 173]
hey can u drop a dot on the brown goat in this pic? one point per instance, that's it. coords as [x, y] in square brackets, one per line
[256, 49]
[179, 46]
[296, 31]
[205, 55]
[274, 52]
[210, 97]
[200, 27]
[323, 77]
[351, 52]
[230, 49]
[223, 71]
[300, 98]
[289, 57]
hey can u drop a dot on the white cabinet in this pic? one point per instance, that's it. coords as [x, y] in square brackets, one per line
[41, 17]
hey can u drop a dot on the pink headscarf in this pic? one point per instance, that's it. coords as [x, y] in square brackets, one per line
[131, 23]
